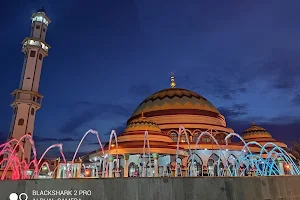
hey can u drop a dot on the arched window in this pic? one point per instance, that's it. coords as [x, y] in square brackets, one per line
[185, 135]
[183, 138]
[32, 111]
[206, 139]
[174, 136]
[220, 138]
[21, 122]
[195, 137]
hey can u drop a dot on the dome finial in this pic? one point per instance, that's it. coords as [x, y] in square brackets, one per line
[142, 115]
[173, 83]
[253, 123]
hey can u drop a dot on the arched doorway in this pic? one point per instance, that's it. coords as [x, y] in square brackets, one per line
[133, 170]
[212, 165]
[195, 169]
[231, 160]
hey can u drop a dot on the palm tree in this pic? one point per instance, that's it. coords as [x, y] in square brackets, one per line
[296, 150]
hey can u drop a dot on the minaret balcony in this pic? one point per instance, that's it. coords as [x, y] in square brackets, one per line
[35, 42]
[40, 16]
[29, 97]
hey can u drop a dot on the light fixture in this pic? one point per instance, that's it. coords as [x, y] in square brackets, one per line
[87, 172]
[287, 166]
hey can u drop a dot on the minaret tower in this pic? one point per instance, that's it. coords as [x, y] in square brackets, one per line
[26, 99]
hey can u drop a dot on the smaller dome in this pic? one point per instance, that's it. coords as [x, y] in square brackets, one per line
[142, 124]
[255, 132]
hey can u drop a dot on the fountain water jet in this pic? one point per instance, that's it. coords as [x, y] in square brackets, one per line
[181, 129]
[144, 169]
[29, 138]
[113, 133]
[83, 137]
[220, 150]
[51, 147]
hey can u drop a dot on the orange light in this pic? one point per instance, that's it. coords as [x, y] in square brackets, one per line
[112, 145]
[87, 172]
[287, 166]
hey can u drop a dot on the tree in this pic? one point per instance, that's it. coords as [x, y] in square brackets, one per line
[296, 150]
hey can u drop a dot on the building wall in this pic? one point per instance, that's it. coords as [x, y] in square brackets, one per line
[209, 188]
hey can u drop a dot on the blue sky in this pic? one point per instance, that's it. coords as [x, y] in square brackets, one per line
[108, 55]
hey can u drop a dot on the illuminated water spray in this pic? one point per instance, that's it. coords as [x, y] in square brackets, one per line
[268, 162]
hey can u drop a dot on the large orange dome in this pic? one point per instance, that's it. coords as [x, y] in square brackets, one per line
[174, 107]
[174, 98]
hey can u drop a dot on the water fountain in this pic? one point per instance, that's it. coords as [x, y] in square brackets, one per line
[177, 166]
[249, 161]
[113, 133]
[268, 162]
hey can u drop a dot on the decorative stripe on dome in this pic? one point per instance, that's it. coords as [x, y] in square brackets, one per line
[172, 92]
[143, 125]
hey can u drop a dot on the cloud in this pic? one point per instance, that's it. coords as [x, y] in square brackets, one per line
[50, 139]
[93, 111]
[296, 100]
[119, 129]
[236, 110]
[284, 129]
[53, 154]
[278, 70]
[283, 67]
[225, 88]
[212, 84]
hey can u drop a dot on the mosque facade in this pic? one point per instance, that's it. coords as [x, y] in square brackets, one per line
[161, 114]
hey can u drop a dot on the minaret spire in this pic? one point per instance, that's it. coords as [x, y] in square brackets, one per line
[173, 83]
[26, 99]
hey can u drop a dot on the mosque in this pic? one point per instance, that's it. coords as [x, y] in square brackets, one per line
[161, 114]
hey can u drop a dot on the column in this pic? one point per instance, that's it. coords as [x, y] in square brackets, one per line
[173, 172]
[104, 168]
[78, 171]
[117, 170]
[126, 158]
[155, 156]
[97, 173]
[71, 175]
[111, 166]
[281, 166]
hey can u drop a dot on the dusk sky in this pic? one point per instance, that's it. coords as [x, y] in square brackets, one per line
[109, 55]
